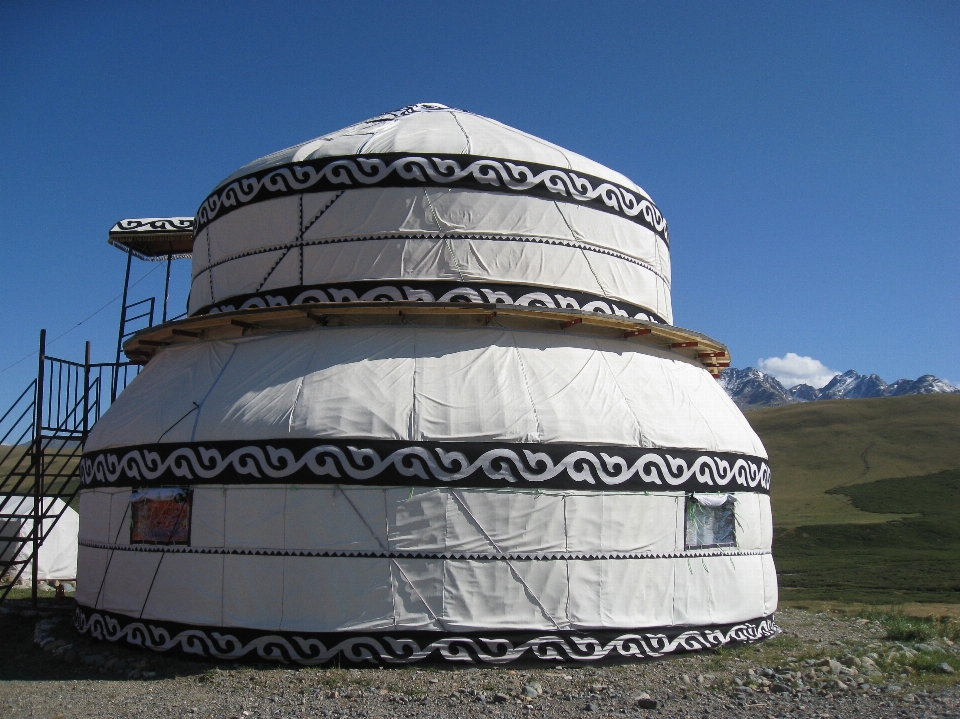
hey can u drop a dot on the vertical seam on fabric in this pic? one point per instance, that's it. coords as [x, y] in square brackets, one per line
[300, 238]
[414, 420]
[209, 263]
[208, 269]
[386, 533]
[116, 539]
[580, 238]
[466, 136]
[196, 420]
[566, 548]
[296, 402]
[163, 555]
[443, 589]
[446, 240]
[271, 270]
[603, 290]
[526, 386]
[143, 607]
[283, 562]
[573, 233]
[677, 526]
[223, 560]
[456, 262]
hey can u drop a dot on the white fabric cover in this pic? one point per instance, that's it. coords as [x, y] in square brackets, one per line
[418, 383]
[430, 233]
[440, 520]
[396, 234]
[58, 552]
[318, 593]
[432, 127]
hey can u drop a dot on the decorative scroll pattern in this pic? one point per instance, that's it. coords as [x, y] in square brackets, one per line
[392, 648]
[155, 224]
[524, 296]
[385, 462]
[465, 171]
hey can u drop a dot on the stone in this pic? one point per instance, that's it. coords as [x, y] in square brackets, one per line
[944, 668]
[94, 660]
[55, 644]
[645, 701]
[927, 648]
[891, 688]
[529, 692]
[779, 688]
[850, 661]
[835, 667]
[591, 707]
[500, 698]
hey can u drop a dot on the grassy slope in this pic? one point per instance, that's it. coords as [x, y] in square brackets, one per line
[819, 446]
[842, 470]
[913, 559]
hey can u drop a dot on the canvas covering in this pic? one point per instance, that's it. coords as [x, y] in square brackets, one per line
[338, 490]
[58, 552]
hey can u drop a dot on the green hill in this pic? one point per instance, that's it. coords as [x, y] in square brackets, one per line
[866, 498]
[819, 446]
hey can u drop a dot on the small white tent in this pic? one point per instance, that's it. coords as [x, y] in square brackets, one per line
[428, 403]
[58, 552]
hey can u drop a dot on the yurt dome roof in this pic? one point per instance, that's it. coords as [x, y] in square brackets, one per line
[429, 203]
[430, 127]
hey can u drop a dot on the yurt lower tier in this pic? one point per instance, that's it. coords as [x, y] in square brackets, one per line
[393, 494]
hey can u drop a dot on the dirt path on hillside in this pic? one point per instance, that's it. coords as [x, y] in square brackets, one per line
[790, 676]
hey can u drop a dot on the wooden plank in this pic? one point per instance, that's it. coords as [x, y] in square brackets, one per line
[272, 319]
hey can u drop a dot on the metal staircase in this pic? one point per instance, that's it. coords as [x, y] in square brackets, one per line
[41, 440]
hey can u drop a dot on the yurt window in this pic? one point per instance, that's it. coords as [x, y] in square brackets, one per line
[710, 521]
[160, 516]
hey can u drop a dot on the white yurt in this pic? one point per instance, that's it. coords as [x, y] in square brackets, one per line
[428, 403]
[57, 557]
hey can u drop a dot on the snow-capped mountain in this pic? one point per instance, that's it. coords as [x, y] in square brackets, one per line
[750, 388]
[851, 385]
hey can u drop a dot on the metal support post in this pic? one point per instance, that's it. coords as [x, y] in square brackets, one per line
[166, 289]
[38, 469]
[123, 321]
[86, 393]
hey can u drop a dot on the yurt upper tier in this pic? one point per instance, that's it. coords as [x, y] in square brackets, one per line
[436, 204]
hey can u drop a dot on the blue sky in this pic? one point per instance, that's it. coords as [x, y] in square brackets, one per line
[806, 156]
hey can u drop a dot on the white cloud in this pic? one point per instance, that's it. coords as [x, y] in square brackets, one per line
[793, 369]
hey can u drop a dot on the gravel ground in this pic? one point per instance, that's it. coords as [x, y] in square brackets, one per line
[822, 666]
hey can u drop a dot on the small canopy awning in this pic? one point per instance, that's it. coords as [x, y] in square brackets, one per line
[154, 238]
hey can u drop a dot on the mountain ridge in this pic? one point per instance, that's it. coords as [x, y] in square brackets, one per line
[751, 388]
